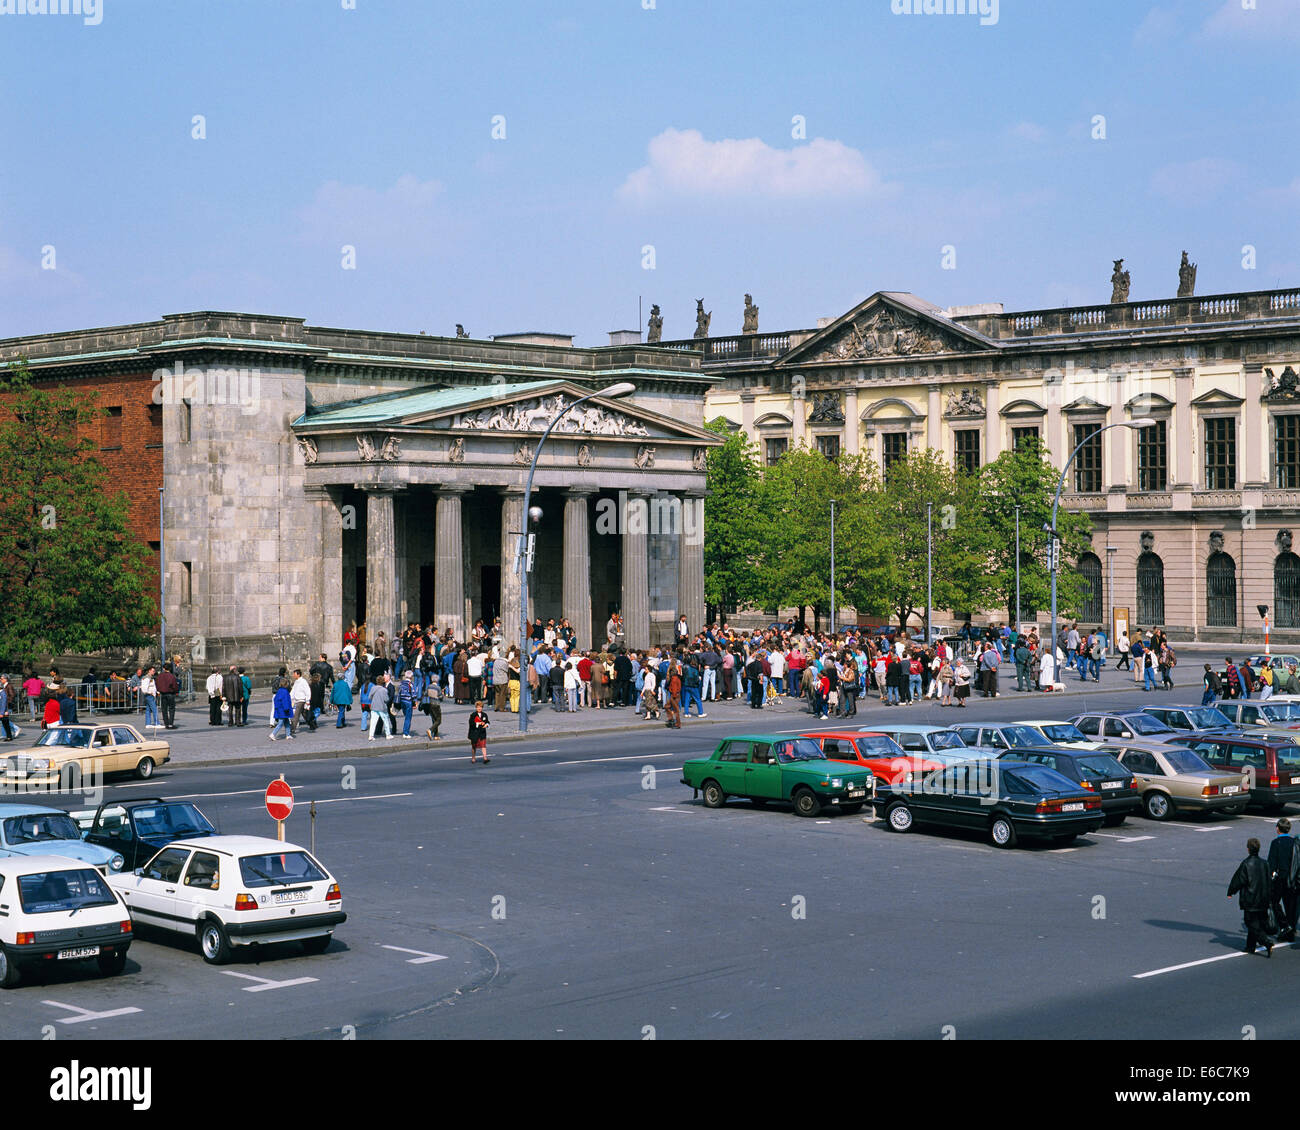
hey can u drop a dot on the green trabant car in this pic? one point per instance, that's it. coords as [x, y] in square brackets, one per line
[764, 767]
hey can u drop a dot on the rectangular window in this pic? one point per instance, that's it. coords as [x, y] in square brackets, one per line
[1022, 436]
[187, 582]
[775, 448]
[895, 448]
[112, 429]
[1087, 464]
[968, 450]
[187, 419]
[1286, 431]
[1153, 457]
[829, 446]
[1221, 453]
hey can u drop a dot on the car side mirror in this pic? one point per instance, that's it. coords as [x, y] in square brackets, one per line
[1126, 734]
[138, 871]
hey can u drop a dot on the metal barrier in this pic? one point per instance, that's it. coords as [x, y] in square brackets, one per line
[107, 698]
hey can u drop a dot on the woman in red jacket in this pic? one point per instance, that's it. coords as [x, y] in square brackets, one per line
[51, 712]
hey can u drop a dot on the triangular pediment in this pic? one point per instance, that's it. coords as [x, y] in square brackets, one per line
[887, 325]
[1217, 398]
[504, 410]
[1085, 404]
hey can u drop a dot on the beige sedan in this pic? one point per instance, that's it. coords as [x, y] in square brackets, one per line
[95, 750]
[1172, 779]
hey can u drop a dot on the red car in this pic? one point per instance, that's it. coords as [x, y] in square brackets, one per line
[878, 752]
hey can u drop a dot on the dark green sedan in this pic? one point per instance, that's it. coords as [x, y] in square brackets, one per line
[768, 767]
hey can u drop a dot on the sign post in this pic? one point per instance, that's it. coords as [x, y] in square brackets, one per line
[279, 803]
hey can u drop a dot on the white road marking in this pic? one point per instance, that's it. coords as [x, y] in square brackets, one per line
[526, 752]
[264, 983]
[598, 760]
[1132, 839]
[86, 1014]
[421, 957]
[1216, 828]
[671, 808]
[1203, 961]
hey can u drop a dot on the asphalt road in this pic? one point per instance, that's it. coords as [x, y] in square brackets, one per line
[556, 894]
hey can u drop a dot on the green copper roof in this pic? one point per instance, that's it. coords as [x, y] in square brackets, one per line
[377, 409]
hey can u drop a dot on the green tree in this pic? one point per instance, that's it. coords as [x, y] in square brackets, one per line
[71, 572]
[730, 519]
[1024, 478]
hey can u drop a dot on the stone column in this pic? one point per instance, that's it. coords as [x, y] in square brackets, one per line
[933, 419]
[690, 561]
[1180, 439]
[329, 580]
[636, 571]
[852, 425]
[799, 419]
[992, 424]
[1254, 467]
[575, 600]
[1057, 449]
[512, 525]
[747, 414]
[449, 564]
[381, 563]
[1116, 478]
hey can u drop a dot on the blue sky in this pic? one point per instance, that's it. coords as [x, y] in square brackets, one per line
[371, 127]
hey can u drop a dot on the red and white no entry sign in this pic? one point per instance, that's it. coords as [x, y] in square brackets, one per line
[279, 800]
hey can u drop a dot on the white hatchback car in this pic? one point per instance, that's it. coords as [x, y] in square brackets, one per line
[228, 891]
[55, 910]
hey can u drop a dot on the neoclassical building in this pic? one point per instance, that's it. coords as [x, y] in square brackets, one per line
[305, 477]
[1193, 518]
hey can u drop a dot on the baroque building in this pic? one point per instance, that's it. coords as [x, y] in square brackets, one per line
[1193, 518]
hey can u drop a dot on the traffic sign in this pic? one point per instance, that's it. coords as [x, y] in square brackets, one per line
[279, 799]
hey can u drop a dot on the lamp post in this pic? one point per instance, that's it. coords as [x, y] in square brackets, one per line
[1017, 623]
[1111, 550]
[929, 552]
[162, 585]
[1054, 544]
[521, 553]
[832, 567]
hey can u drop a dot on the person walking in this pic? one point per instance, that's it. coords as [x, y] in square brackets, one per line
[649, 693]
[6, 697]
[945, 680]
[1121, 649]
[1210, 681]
[149, 692]
[341, 696]
[213, 687]
[231, 692]
[300, 694]
[1148, 670]
[478, 728]
[1167, 661]
[673, 705]
[961, 682]
[380, 693]
[432, 707]
[282, 711]
[1252, 883]
[1266, 676]
[406, 697]
[1136, 650]
[989, 662]
[1284, 871]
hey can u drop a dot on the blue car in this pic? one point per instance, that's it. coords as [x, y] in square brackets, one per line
[29, 829]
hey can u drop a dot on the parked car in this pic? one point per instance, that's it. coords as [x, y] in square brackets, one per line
[1173, 779]
[877, 752]
[1000, 735]
[29, 829]
[1096, 771]
[1191, 718]
[140, 828]
[234, 891]
[56, 910]
[1248, 714]
[1108, 726]
[1063, 733]
[920, 739]
[93, 750]
[1009, 800]
[1270, 764]
[767, 767]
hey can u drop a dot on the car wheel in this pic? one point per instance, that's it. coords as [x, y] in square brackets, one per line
[213, 942]
[111, 964]
[8, 970]
[899, 817]
[806, 803]
[852, 809]
[1002, 833]
[318, 944]
[1158, 806]
[1114, 820]
[714, 797]
[145, 769]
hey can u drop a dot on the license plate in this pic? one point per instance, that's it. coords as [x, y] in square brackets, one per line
[73, 955]
[857, 793]
[282, 897]
[1072, 807]
[1112, 784]
[1230, 789]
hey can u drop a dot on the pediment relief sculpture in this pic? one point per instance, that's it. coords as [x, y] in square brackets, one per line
[536, 415]
[884, 333]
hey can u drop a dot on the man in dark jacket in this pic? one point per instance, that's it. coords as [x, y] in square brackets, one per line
[1252, 880]
[168, 688]
[622, 678]
[232, 690]
[1284, 868]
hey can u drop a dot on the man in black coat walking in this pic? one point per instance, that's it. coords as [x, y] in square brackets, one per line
[1284, 867]
[1253, 882]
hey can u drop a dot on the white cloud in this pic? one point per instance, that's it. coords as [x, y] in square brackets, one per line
[1194, 181]
[1268, 19]
[404, 218]
[1029, 131]
[684, 163]
[1159, 26]
[21, 276]
[1287, 194]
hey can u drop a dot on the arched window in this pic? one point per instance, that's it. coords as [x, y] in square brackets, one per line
[1220, 591]
[1151, 591]
[1286, 591]
[1090, 608]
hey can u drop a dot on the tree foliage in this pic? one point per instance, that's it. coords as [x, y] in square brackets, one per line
[71, 571]
[731, 519]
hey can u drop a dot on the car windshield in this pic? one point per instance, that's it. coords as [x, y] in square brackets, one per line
[52, 891]
[170, 821]
[1023, 735]
[1041, 779]
[1095, 767]
[879, 746]
[1145, 724]
[1064, 732]
[1280, 711]
[1185, 761]
[798, 749]
[35, 827]
[1289, 756]
[62, 736]
[944, 739]
[280, 869]
[1207, 718]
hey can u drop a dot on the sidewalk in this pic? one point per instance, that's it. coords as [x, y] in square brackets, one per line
[195, 744]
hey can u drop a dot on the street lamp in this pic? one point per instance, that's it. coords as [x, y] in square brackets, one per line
[1111, 550]
[521, 556]
[1054, 544]
[832, 567]
[1017, 623]
[929, 550]
[162, 585]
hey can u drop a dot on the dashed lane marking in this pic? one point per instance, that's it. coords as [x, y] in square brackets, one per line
[421, 958]
[1202, 961]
